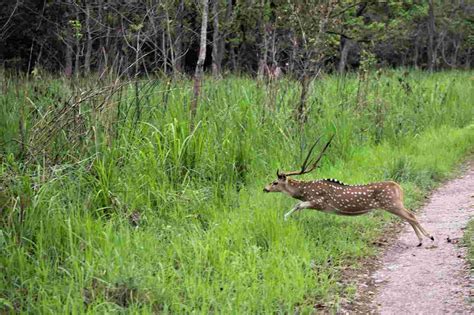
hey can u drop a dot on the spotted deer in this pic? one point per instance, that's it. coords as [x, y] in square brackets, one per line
[333, 196]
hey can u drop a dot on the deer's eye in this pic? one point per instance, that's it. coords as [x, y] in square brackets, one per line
[275, 183]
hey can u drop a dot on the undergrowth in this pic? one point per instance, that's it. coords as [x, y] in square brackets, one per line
[469, 242]
[111, 201]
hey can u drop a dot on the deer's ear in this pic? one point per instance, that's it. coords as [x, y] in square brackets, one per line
[280, 176]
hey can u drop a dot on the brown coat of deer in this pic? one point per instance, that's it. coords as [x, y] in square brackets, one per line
[333, 196]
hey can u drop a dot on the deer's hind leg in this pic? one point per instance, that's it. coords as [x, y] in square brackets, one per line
[422, 229]
[428, 235]
[410, 218]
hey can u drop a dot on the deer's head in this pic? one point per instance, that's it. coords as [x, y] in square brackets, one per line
[278, 185]
[281, 183]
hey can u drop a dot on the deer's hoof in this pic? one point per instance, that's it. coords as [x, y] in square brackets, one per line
[419, 245]
[432, 238]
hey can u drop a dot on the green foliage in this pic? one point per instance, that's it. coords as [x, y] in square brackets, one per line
[207, 239]
[76, 26]
[469, 242]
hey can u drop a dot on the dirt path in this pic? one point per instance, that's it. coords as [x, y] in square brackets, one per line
[433, 279]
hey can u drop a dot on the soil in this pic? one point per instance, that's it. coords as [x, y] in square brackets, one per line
[432, 279]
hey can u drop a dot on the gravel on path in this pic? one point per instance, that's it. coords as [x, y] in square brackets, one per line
[434, 278]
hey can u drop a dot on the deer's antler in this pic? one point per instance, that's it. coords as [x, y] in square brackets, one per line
[313, 163]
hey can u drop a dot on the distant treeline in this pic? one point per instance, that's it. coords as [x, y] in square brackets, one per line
[253, 36]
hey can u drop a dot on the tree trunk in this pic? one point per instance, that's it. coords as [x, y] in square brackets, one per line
[87, 57]
[301, 110]
[229, 18]
[467, 64]
[178, 50]
[77, 60]
[273, 49]
[431, 34]
[216, 40]
[233, 57]
[107, 50]
[454, 59]
[294, 53]
[417, 52]
[172, 53]
[346, 45]
[101, 58]
[164, 51]
[137, 54]
[175, 46]
[202, 56]
[263, 62]
[68, 57]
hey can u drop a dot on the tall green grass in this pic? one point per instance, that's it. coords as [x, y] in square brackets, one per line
[208, 239]
[469, 241]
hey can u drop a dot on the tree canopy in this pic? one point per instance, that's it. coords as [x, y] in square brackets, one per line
[254, 36]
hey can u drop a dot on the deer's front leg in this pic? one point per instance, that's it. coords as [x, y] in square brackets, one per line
[299, 206]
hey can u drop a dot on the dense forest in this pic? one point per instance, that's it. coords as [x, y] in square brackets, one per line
[252, 36]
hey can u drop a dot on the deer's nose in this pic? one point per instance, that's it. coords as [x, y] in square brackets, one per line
[266, 189]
